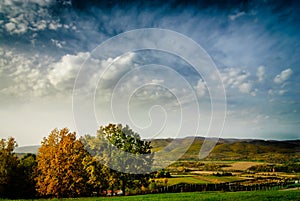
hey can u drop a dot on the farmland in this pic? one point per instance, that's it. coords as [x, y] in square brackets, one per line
[272, 165]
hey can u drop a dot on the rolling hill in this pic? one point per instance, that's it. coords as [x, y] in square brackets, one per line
[238, 149]
[27, 149]
[226, 149]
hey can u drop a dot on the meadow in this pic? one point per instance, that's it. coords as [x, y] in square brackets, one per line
[291, 195]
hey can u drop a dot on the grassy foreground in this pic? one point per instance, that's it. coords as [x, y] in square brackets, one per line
[245, 196]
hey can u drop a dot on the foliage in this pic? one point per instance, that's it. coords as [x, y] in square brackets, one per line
[223, 174]
[163, 173]
[157, 183]
[97, 174]
[61, 172]
[287, 167]
[8, 168]
[16, 175]
[124, 152]
[27, 169]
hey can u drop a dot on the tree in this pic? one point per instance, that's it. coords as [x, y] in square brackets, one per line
[27, 173]
[60, 168]
[97, 175]
[122, 150]
[8, 168]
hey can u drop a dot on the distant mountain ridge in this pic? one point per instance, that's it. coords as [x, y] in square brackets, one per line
[27, 149]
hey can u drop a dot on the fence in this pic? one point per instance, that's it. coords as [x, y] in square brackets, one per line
[182, 187]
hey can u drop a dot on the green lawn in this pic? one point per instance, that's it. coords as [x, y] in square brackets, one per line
[244, 196]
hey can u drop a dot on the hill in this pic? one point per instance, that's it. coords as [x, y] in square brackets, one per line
[226, 149]
[238, 149]
[27, 149]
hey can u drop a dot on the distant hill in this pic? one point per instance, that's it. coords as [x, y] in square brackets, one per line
[226, 149]
[27, 149]
[237, 149]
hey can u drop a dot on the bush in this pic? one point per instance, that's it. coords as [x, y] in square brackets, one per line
[223, 174]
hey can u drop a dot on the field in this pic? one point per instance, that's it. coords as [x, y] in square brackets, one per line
[242, 166]
[293, 195]
[189, 179]
[200, 179]
[234, 165]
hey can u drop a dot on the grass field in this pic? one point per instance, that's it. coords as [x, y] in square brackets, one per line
[188, 179]
[200, 179]
[226, 196]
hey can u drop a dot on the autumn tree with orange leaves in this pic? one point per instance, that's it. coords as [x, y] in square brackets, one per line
[61, 171]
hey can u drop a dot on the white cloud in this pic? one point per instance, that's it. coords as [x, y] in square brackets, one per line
[157, 81]
[57, 43]
[21, 28]
[120, 65]
[234, 78]
[245, 88]
[40, 25]
[41, 2]
[280, 92]
[200, 88]
[23, 75]
[28, 15]
[38, 75]
[10, 26]
[63, 73]
[283, 76]
[54, 25]
[260, 73]
[150, 92]
[237, 15]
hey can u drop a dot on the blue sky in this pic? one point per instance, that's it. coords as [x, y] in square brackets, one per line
[254, 45]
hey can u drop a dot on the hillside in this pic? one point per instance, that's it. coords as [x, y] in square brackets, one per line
[226, 149]
[239, 149]
[27, 149]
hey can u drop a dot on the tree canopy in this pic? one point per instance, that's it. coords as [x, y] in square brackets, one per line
[61, 172]
[8, 168]
[116, 158]
[124, 152]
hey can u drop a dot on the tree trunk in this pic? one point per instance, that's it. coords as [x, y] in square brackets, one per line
[123, 187]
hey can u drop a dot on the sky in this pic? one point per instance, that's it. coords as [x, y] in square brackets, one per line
[167, 69]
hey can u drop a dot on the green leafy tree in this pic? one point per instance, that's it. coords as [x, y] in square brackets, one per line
[8, 168]
[27, 173]
[121, 149]
[60, 167]
[97, 175]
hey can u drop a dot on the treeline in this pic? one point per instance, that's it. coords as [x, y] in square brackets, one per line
[286, 167]
[66, 166]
